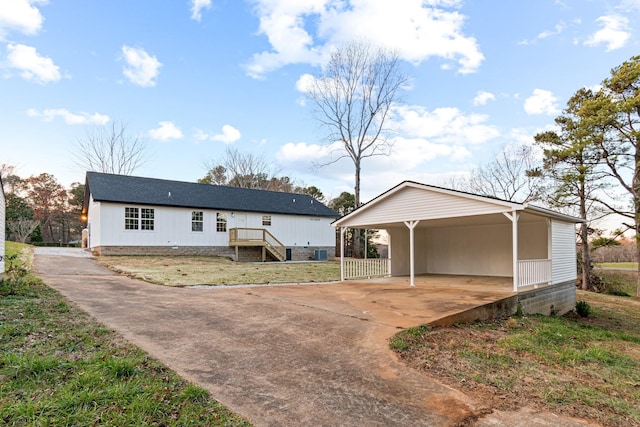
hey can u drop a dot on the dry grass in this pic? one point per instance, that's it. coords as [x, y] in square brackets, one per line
[202, 270]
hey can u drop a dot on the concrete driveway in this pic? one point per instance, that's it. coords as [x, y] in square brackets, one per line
[282, 355]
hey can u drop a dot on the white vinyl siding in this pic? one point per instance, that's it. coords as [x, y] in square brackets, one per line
[422, 204]
[173, 227]
[563, 252]
[483, 250]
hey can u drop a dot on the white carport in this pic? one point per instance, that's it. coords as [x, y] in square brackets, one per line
[434, 230]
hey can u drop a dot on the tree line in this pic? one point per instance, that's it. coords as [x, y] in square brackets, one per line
[39, 209]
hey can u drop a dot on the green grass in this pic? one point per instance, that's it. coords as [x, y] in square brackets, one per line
[619, 282]
[583, 367]
[59, 367]
[618, 265]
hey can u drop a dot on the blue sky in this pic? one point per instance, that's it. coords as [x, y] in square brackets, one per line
[194, 77]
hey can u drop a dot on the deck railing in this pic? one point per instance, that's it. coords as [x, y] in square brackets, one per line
[371, 267]
[257, 237]
[533, 272]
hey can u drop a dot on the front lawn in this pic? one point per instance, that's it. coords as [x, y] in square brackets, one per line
[204, 270]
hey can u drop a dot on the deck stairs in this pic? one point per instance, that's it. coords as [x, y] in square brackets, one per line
[257, 237]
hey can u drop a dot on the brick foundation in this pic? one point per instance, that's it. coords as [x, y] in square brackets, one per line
[245, 254]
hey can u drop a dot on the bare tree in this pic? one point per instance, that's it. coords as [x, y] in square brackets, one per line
[20, 229]
[109, 149]
[513, 175]
[245, 170]
[353, 97]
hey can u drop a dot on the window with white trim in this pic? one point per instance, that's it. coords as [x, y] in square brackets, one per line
[139, 218]
[131, 218]
[147, 218]
[266, 220]
[221, 222]
[197, 221]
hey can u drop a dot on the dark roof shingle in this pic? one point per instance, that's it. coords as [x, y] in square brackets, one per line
[159, 192]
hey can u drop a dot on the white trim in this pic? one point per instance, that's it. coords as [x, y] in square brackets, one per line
[411, 225]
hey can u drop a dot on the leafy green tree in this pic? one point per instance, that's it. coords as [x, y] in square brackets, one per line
[20, 220]
[312, 191]
[47, 198]
[615, 113]
[572, 161]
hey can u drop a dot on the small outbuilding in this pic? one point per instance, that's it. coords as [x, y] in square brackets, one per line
[128, 215]
[434, 230]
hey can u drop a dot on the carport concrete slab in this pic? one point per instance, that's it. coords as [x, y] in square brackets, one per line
[283, 355]
[391, 301]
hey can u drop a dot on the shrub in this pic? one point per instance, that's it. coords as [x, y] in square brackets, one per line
[583, 308]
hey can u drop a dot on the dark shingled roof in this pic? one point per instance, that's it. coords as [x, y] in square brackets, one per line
[159, 192]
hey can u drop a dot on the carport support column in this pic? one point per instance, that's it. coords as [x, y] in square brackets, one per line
[513, 217]
[342, 231]
[411, 225]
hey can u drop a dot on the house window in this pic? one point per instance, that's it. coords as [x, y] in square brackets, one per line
[139, 218]
[147, 218]
[266, 220]
[221, 222]
[196, 221]
[131, 218]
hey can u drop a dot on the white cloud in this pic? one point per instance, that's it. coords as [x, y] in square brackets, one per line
[140, 68]
[482, 97]
[615, 32]
[32, 66]
[196, 8]
[304, 83]
[70, 118]
[20, 15]
[229, 135]
[446, 125]
[417, 30]
[541, 102]
[559, 28]
[166, 130]
[422, 136]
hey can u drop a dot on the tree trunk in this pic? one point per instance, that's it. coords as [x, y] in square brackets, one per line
[356, 232]
[584, 236]
[586, 257]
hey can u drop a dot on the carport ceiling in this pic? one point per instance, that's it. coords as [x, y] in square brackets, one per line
[462, 221]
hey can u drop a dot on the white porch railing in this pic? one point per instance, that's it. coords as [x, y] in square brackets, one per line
[371, 267]
[534, 272]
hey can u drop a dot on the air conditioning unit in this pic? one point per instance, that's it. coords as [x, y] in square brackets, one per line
[320, 255]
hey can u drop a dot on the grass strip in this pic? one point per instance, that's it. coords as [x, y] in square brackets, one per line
[59, 367]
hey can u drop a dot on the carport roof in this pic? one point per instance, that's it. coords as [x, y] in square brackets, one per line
[410, 201]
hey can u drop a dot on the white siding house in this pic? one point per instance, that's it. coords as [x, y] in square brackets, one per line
[133, 215]
[2, 226]
[434, 230]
